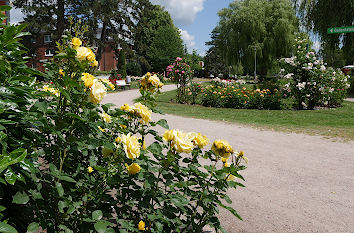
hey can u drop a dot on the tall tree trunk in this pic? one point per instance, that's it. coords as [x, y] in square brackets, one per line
[60, 19]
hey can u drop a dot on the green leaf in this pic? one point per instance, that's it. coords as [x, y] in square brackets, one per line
[101, 226]
[67, 178]
[231, 210]
[33, 227]
[2, 208]
[155, 148]
[15, 156]
[61, 206]
[59, 189]
[20, 198]
[6, 228]
[5, 8]
[163, 123]
[227, 199]
[10, 176]
[97, 215]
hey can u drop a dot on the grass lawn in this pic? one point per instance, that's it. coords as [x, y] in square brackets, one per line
[337, 122]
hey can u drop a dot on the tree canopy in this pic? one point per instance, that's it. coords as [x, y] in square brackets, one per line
[319, 15]
[156, 40]
[269, 26]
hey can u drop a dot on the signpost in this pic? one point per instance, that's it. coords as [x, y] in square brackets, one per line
[340, 30]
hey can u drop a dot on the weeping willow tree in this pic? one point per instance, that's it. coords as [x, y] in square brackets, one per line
[319, 15]
[265, 26]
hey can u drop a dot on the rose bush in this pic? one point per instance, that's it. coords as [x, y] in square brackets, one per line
[310, 82]
[233, 96]
[88, 167]
[181, 74]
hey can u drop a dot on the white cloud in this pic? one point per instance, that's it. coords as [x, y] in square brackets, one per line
[188, 39]
[183, 12]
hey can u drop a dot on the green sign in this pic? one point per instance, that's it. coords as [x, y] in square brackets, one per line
[340, 30]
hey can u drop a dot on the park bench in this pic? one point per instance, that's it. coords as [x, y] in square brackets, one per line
[122, 84]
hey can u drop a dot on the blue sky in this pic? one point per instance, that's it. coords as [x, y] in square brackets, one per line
[195, 18]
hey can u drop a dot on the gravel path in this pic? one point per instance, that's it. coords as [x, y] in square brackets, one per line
[294, 182]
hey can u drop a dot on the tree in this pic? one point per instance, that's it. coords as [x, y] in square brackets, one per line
[154, 22]
[166, 46]
[121, 66]
[267, 26]
[214, 62]
[106, 19]
[319, 15]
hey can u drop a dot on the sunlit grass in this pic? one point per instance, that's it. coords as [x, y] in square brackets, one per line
[338, 122]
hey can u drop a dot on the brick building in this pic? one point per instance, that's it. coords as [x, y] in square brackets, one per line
[2, 3]
[43, 49]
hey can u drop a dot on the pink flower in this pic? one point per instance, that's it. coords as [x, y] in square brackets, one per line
[178, 59]
[182, 72]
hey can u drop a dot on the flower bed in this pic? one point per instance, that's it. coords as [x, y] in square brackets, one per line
[232, 96]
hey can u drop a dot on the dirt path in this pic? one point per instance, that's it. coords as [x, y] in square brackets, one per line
[294, 182]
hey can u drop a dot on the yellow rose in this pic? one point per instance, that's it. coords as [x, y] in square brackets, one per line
[154, 80]
[227, 164]
[142, 111]
[131, 146]
[76, 42]
[148, 74]
[222, 148]
[224, 160]
[133, 169]
[106, 118]
[199, 140]
[141, 226]
[182, 142]
[118, 139]
[97, 91]
[61, 72]
[125, 108]
[88, 79]
[168, 135]
[82, 53]
[91, 56]
[89, 169]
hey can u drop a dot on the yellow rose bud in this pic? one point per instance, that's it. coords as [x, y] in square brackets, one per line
[100, 128]
[125, 108]
[76, 42]
[89, 169]
[105, 117]
[61, 72]
[226, 164]
[94, 63]
[141, 226]
[144, 145]
[230, 177]
[133, 169]
[224, 160]
[118, 139]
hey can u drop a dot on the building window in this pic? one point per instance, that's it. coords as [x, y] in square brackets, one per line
[47, 38]
[49, 53]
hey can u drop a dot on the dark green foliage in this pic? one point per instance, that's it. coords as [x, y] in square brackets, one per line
[319, 15]
[121, 66]
[166, 46]
[134, 69]
[156, 39]
[18, 132]
[267, 26]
